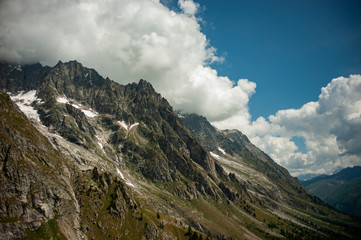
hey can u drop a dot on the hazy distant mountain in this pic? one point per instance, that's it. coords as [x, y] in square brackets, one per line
[307, 176]
[341, 190]
[88, 158]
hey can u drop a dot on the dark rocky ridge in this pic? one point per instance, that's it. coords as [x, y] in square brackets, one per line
[131, 103]
[171, 172]
[22, 77]
[235, 143]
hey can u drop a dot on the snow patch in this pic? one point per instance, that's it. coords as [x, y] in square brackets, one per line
[62, 100]
[89, 113]
[133, 125]
[120, 174]
[130, 184]
[24, 101]
[180, 115]
[222, 151]
[18, 68]
[123, 124]
[215, 155]
[75, 105]
[126, 180]
[100, 144]
[227, 161]
[27, 97]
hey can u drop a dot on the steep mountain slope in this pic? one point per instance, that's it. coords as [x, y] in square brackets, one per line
[266, 181]
[341, 190]
[234, 144]
[33, 189]
[44, 194]
[135, 171]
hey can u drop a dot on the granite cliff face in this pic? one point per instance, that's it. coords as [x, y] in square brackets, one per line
[95, 159]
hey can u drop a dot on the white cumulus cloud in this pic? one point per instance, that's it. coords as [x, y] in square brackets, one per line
[188, 6]
[331, 128]
[126, 40]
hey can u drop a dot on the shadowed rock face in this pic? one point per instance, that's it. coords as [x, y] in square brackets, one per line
[15, 78]
[107, 161]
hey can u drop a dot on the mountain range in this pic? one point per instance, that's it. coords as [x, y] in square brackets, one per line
[340, 190]
[83, 157]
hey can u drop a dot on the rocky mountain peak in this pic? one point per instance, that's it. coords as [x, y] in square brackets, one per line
[145, 86]
[14, 78]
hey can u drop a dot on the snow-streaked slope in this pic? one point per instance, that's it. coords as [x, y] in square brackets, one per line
[24, 101]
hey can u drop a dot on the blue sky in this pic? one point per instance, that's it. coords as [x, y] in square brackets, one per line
[289, 48]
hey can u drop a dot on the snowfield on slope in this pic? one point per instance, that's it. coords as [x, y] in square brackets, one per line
[88, 112]
[125, 126]
[24, 101]
[129, 183]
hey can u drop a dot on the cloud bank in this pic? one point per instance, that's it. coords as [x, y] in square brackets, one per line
[330, 127]
[127, 40]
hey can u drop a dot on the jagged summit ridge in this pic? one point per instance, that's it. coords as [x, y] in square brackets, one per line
[131, 103]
